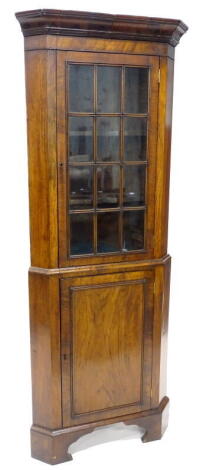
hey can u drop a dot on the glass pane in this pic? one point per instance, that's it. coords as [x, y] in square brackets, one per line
[135, 138]
[108, 181]
[80, 139]
[81, 88]
[80, 187]
[108, 138]
[133, 230]
[136, 90]
[81, 234]
[134, 185]
[108, 232]
[108, 89]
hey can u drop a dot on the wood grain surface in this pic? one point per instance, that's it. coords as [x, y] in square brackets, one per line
[98, 323]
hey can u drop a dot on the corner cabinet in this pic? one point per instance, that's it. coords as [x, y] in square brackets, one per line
[99, 103]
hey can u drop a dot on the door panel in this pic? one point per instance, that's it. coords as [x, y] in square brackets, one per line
[106, 145]
[106, 345]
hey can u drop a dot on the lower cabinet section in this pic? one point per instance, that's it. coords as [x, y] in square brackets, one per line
[106, 345]
[98, 349]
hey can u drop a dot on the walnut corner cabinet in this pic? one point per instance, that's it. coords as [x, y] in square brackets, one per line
[99, 109]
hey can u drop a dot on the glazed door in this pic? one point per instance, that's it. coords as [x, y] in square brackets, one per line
[107, 136]
[106, 341]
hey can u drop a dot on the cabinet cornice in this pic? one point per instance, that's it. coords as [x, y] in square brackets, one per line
[79, 23]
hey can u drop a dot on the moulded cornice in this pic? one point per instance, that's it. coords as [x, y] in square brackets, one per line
[80, 23]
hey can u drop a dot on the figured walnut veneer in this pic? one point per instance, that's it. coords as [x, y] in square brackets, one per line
[98, 322]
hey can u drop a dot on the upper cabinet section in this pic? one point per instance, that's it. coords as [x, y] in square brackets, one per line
[99, 101]
[80, 23]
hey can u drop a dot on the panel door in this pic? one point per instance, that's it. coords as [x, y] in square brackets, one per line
[106, 338]
[107, 137]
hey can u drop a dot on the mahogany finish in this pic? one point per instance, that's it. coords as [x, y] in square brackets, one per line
[116, 378]
[98, 319]
[81, 23]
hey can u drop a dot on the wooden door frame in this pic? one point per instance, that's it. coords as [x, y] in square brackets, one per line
[67, 286]
[152, 62]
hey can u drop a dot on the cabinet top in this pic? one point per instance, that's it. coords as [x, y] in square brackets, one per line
[104, 25]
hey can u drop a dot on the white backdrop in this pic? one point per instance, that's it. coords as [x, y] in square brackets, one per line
[178, 446]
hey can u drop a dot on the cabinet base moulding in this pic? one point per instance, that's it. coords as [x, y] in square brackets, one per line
[52, 446]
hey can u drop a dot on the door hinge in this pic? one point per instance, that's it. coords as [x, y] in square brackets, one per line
[159, 75]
